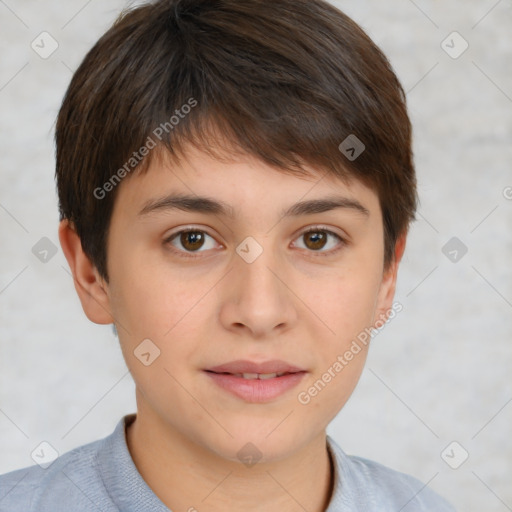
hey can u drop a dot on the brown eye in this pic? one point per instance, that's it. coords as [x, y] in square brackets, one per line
[322, 241]
[191, 241]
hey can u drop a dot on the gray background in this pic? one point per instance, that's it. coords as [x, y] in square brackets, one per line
[438, 372]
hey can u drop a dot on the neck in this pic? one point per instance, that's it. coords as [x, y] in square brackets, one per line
[187, 476]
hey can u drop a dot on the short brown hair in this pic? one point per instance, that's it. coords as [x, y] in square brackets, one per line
[284, 80]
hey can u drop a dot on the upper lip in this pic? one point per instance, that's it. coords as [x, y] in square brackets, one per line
[244, 366]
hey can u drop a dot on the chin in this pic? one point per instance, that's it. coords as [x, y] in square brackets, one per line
[250, 445]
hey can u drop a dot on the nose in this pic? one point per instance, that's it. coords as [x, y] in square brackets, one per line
[259, 296]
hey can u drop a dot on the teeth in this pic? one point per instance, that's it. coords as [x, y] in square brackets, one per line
[264, 376]
[250, 376]
[261, 376]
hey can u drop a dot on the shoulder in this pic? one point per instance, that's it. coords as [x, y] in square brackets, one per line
[361, 483]
[69, 483]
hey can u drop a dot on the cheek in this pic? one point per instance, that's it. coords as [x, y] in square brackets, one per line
[346, 308]
[172, 308]
[150, 295]
[345, 303]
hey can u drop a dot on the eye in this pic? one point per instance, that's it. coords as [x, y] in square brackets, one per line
[317, 238]
[191, 240]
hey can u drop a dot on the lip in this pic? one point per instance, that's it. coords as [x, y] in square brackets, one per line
[245, 366]
[256, 390]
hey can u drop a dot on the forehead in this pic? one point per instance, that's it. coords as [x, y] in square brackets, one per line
[227, 183]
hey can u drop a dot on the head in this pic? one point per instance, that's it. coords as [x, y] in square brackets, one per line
[239, 110]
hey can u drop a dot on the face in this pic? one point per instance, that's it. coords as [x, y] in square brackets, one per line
[247, 282]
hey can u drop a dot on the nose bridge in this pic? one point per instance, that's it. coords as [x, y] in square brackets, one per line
[255, 264]
[259, 300]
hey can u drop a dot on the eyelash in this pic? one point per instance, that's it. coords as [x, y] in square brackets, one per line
[314, 229]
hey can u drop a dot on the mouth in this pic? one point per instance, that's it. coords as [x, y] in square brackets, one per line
[256, 382]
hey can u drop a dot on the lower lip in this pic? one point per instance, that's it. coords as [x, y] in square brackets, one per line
[257, 390]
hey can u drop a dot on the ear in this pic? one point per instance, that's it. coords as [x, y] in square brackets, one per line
[388, 285]
[91, 288]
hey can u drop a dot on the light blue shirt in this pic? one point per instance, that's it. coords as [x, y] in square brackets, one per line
[101, 476]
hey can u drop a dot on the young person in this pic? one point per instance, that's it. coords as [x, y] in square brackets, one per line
[236, 183]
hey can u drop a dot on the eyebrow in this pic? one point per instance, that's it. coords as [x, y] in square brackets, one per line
[198, 204]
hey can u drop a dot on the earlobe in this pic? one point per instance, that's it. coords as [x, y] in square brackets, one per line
[91, 288]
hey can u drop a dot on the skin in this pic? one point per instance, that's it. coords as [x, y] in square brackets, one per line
[298, 302]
